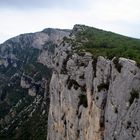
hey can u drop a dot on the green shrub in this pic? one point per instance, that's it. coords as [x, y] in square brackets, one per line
[116, 110]
[128, 125]
[83, 88]
[118, 66]
[64, 66]
[94, 64]
[107, 44]
[82, 76]
[4, 109]
[103, 86]
[81, 54]
[71, 82]
[83, 101]
[134, 95]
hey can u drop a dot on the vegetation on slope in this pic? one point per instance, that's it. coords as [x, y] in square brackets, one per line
[108, 44]
[22, 117]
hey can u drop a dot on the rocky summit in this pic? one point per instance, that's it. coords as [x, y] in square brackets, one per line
[79, 84]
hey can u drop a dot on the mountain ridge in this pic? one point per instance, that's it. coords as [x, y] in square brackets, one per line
[24, 84]
[52, 78]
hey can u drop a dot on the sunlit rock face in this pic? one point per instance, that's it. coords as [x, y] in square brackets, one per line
[93, 99]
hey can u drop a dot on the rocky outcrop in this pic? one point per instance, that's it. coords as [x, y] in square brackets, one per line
[94, 99]
[55, 37]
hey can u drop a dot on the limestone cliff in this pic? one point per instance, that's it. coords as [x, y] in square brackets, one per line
[93, 98]
[89, 96]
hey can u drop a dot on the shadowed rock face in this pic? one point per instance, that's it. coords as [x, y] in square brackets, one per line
[49, 90]
[25, 73]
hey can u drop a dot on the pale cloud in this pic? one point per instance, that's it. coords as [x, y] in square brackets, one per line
[37, 4]
[120, 16]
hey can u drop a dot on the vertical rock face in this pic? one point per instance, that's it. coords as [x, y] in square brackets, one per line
[94, 99]
[123, 103]
[74, 112]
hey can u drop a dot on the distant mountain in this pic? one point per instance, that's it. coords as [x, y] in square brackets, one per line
[24, 83]
[74, 84]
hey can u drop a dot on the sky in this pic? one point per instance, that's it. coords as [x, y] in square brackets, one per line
[24, 16]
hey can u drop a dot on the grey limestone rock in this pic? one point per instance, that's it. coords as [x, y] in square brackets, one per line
[93, 100]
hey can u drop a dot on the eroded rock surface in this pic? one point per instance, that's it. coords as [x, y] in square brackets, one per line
[94, 99]
[87, 98]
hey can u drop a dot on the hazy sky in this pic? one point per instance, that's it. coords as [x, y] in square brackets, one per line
[23, 16]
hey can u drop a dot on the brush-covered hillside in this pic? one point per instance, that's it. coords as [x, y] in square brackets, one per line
[105, 43]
